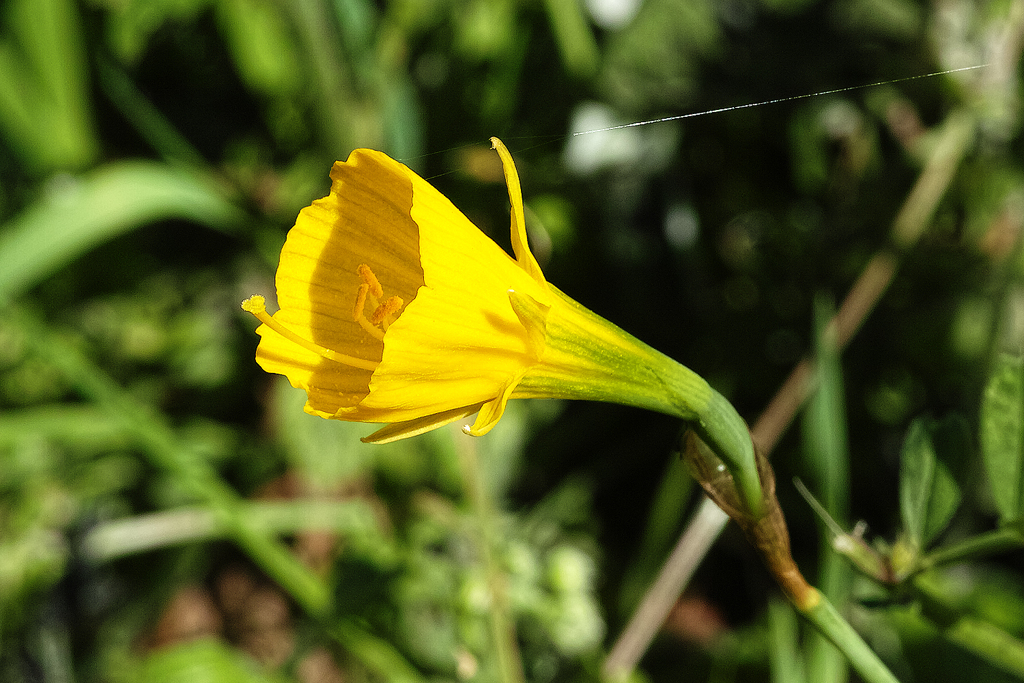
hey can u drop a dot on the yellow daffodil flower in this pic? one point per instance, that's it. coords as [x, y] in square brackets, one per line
[395, 308]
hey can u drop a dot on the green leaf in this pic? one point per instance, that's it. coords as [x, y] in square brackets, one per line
[934, 456]
[264, 52]
[1002, 436]
[824, 425]
[203, 661]
[375, 653]
[576, 43]
[44, 86]
[86, 211]
[131, 23]
[785, 661]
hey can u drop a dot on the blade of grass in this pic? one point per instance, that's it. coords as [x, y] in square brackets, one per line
[576, 42]
[146, 118]
[827, 455]
[44, 85]
[84, 212]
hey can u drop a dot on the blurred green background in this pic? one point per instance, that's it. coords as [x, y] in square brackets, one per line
[167, 512]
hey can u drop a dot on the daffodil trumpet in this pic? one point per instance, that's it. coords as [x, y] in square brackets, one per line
[396, 309]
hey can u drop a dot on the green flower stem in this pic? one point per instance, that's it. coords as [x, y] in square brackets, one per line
[823, 616]
[161, 445]
[721, 427]
[588, 358]
[503, 632]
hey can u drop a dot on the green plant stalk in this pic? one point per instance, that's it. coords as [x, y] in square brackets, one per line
[770, 538]
[823, 616]
[146, 532]
[824, 663]
[503, 634]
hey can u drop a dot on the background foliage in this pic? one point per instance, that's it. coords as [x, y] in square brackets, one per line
[169, 513]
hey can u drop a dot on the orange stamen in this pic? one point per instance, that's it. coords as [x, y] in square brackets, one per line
[383, 313]
[357, 310]
[370, 329]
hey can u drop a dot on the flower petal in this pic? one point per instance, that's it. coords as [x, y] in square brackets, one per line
[492, 411]
[458, 342]
[365, 220]
[533, 315]
[403, 430]
[520, 245]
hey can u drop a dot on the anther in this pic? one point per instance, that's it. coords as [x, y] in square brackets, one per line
[386, 310]
[370, 279]
[371, 292]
